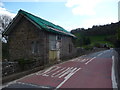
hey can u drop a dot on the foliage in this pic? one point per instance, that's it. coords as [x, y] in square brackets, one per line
[88, 47]
[98, 45]
[23, 62]
[108, 29]
[4, 21]
[118, 34]
[88, 39]
[98, 35]
[117, 42]
[82, 40]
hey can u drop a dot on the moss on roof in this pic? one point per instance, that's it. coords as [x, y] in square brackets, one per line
[46, 25]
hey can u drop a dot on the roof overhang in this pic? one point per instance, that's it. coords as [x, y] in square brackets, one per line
[20, 15]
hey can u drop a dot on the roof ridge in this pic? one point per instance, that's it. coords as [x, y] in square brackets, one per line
[45, 24]
[37, 17]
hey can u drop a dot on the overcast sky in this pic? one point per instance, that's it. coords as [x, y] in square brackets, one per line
[69, 14]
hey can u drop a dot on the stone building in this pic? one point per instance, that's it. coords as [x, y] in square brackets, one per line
[30, 37]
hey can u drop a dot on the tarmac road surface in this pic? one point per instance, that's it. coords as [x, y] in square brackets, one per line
[87, 71]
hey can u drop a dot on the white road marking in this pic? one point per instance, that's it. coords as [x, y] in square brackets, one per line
[67, 72]
[72, 60]
[99, 54]
[84, 60]
[53, 75]
[90, 60]
[75, 59]
[78, 58]
[39, 72]
[48, 71]
[66, 78]
[59, 72]
[114, 83]
[63, 72]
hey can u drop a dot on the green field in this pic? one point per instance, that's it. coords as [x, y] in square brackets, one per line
[101, 39]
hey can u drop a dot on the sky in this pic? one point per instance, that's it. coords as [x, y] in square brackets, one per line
[69, 14]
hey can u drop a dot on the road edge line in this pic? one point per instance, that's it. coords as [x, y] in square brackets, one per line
[114, 83]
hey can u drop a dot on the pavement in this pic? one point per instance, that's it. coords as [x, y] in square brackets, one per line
[94, 70]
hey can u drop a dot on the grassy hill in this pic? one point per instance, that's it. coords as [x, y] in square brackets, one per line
[98, 39]
[101, 40]
[97, 36]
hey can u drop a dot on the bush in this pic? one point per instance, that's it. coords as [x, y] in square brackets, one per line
[24, 62]
[88, 47]
[98, 45]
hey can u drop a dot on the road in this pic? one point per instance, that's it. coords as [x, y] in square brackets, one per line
[87, 71]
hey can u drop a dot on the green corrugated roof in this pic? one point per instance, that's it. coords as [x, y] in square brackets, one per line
[48, 26]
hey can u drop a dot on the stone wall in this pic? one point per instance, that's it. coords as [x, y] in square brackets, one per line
[67, 48]
[9, 68]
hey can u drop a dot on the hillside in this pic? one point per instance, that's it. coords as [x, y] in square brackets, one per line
[102, 35]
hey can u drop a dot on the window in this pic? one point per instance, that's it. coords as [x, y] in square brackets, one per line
[70, 48]
[53, 45]
[35, 47]
[52, 42]
[59, 38]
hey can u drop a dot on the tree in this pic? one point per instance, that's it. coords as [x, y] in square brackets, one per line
[118, 34]
[86, 40]
[4, 21]
[117, 43]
